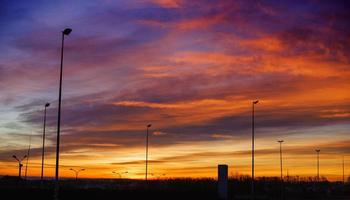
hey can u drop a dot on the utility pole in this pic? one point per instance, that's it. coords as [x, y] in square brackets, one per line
[66, 31]
[253, 143]
[28, 154]
[282, 184]
[76, 171]
[43, 149]
[20, 165]
[148, 126]
[318, 164]
[343, 170]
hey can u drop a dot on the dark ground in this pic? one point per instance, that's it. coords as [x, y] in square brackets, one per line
[202, 189]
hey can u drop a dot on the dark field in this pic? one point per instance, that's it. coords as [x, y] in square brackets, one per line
[266, 188]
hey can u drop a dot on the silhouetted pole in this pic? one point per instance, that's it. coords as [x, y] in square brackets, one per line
[160, 175]
[343, 171]
[20, 165]
[282, 188]
[28, 153]
[281, 141]
[43, 149]
[117, 173]
[120, 174]
[252, 191]
[318, 164]
[149, 125]
[66, 31]
[76, 172]
[125, 172]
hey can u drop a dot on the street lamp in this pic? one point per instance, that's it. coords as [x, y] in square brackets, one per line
[253, 106]
[28, 153]
[43, 149]
[148, 126]
[20, 165]
[318, 164]
[343, 171]
[282, 189]
[162, 175]
[120, 174]
[66, 31]
[281, 141]
[158, 176]
[76, 172]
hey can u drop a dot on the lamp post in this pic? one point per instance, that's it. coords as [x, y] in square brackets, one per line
[20, 165]
[43, 149]
[343, 171]
[76, 171]
[28, 153]
[158, 176]
[252, 189]
[318, 164]
[282, 189]
[120, 174]
[66, 31]
[148, 126]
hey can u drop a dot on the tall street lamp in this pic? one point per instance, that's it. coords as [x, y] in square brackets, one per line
[66, 31]
[252, 189]
[28, 153]
[120, 174]
[343, 171]
[318, 164]
[76, 171]
[281, 141]
[43, 149]
[148, 126]
[159, 176]
[20, 165]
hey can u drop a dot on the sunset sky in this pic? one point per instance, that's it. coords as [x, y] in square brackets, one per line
[191, 69]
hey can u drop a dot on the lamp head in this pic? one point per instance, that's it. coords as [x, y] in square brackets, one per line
[255, 102]
[14, 156]
[317, 150]
[280, 141]
[47, 104]
[67, 31]
[149, 125]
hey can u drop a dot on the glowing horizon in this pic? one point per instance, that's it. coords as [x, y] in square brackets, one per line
[191, 69]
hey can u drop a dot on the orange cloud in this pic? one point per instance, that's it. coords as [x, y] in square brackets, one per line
[221, 136]
[159, 133]
[199, 23]
[188, 112]
[167, 3]
[194, 80]
[265, 43]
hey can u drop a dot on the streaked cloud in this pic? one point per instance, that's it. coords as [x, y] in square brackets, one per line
[191, 68]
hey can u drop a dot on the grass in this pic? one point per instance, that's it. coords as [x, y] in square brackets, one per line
[186, 188]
